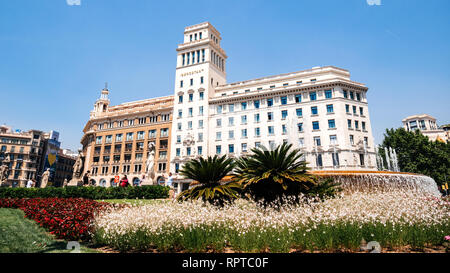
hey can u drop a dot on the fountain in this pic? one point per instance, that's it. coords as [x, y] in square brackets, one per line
[385, 181]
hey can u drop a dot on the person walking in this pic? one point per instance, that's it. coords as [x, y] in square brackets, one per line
[29, 183]
[169, 183]
[86, 178]
[124, 182]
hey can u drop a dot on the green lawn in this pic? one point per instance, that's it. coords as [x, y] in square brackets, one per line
[136, 201]
[21, 235]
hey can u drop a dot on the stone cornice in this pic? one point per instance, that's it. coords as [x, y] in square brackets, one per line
[286, 90]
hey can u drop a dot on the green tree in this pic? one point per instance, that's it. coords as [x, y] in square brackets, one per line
[417, 154]
[208, 186]
[277, 176]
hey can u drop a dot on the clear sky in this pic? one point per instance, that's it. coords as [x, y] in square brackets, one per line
[55, 57]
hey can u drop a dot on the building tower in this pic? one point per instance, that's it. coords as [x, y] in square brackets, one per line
[200, 68]
[102, 103]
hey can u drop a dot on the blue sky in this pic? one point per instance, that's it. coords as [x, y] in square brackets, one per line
[55, 58]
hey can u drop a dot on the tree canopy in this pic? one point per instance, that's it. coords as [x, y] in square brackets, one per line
[417, 154]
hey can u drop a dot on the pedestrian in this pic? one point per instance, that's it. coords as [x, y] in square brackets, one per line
[169, 183]
[29, 183]
[86, 179]
[124, 182]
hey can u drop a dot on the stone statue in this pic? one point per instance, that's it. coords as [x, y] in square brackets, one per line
[65, 183]
[3, 174]
[77, 167]
[44, 179]
[150, 163]
[77, 170]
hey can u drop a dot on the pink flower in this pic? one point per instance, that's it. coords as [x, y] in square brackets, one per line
[447, 238]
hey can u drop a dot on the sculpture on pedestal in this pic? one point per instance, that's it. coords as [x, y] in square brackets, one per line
[77, 170]
[44, 179]
[3, 174]
[150, 163]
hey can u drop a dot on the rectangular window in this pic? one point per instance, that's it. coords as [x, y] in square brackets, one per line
[328, 94]
[283, 100]
[98, 140]
[190, 111]
[330, 108]
[361, 111]
[180, 113]
[244, 119]
[191, 97]
[231, 134]
[270, 116]
[269, 102]
[200, 124]
[256, 117]
[199, 150]
[219, 109]
[349, 123]
[354, 110]
[243, 106]
[352, 141]
[190, 124]
[200, 137]
[244, 133]
[256, 103]
[188, 151]
[317, 141]
[363, 125]
[299, 112]
[218, 149]
[331, 124]
[270, 130]
[345, 94]
[140, 135]
[201, 94]
[129, 136]
[218, 122]
[283, 129]
[298, 98]
[218, 135]
[347, 108]
[230, 121]
[314, 110]
[257, 132]
[178, 152]
[230, 108]
[333, 139]
[107, 140]
[244, 147]
[165, 132]
[231, 148]
[301, 142]
[284, 114]
[312, 96]
[152, 134]
[181, 82]
[300, 127]
[352, 95]
[319, 162]
[315, 125]
[358, 96]
[201, 80]
[356, 125]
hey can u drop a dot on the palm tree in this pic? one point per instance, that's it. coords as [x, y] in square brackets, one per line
[269, 175]
[207, 174]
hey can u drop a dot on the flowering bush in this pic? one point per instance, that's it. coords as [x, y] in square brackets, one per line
[66, 218]
[390, 218]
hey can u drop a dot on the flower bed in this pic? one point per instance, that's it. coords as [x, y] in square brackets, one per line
[66, 218]
[393, 219]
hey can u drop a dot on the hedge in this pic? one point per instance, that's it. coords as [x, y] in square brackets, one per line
[142, 192]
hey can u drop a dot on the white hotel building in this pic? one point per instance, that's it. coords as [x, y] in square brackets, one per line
[319, 110]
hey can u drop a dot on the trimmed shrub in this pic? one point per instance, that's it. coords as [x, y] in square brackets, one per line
[142, 192]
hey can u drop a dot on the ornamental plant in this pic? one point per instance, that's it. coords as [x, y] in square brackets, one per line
[207, 174]
[278, 175]
[66, 218]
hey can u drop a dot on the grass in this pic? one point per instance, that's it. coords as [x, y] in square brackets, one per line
[21, 235]
[136, 201]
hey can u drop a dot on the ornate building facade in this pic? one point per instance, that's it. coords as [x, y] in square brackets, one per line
[320, 110]
[117, 140]
[427, 125]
